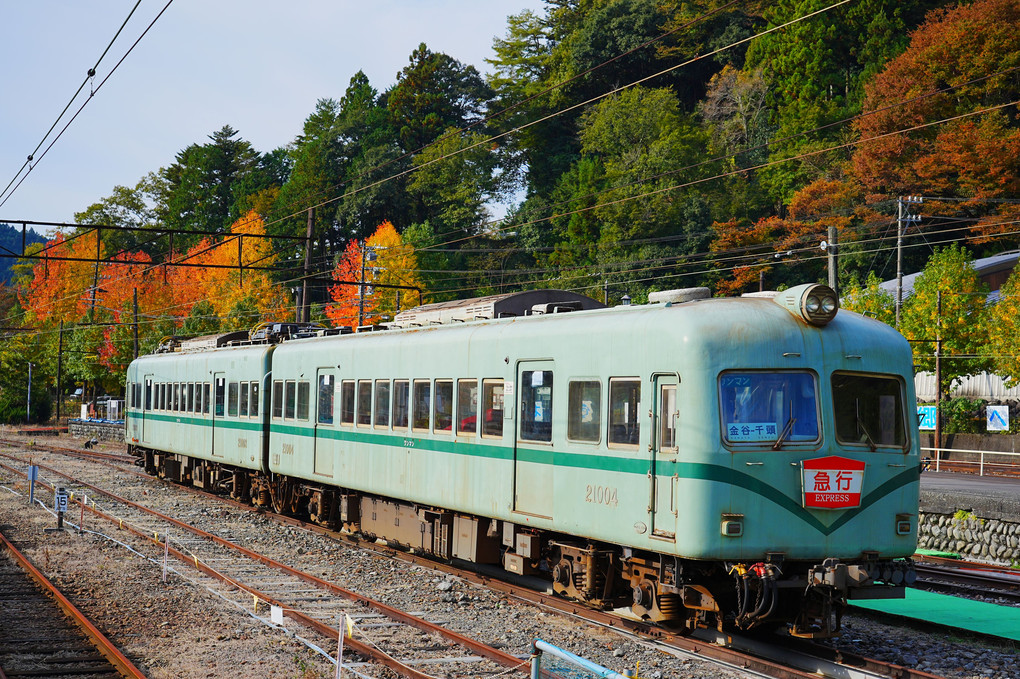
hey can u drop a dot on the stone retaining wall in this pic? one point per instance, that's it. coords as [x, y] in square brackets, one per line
[104, 430]
[971, 536]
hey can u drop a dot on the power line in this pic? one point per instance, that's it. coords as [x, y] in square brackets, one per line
[10, 191]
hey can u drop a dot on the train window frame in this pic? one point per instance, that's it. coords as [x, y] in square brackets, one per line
[206, 400]
[573, 422]
[869, 436]
[220, 397]
[401, 410]
[232, 398]
[668, 423]
[177, 397]
[277, 399]
[381, 404]
[492, 427]
[533, 410]
[348, 390]
[304, 398]
[253, 402]
[325, 402]
[467, 395]
[191, 397]
[627, 435]
[789, 441]
[442, 407]
[242, 404]
[421, 410]
[148, 395]
[289, 399]
[364, 412]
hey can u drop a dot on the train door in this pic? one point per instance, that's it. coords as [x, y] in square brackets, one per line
[662, 505]
[324, 414]
[533, 447]
[219, 438]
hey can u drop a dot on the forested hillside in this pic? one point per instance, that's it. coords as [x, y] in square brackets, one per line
[625, 145]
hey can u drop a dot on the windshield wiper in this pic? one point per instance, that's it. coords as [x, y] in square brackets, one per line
[861, 427]
[787, 430]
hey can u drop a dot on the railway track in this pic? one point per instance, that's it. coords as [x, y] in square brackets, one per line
[952, 576]
[766, 658]
[252, 579]
[43, 634]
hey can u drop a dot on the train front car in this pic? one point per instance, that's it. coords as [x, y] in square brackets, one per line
[798, 457]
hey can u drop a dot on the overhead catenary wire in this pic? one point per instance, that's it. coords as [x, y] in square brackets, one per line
[88, 76]
[10, 191]
[650, 194]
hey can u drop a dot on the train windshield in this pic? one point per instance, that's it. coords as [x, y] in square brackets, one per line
[869, 410]
[769, 408]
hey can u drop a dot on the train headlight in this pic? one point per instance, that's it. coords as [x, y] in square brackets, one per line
[816, 304]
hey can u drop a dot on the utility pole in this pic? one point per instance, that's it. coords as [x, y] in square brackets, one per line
[28, 405]
[902, 220]
[938, 376]
[136, 321]
[306, 307]
[60, 360]
[832, 253]
[367, 255]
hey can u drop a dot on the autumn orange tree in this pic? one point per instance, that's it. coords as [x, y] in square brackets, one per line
[214, 270]
[941, 119]
[395, 264]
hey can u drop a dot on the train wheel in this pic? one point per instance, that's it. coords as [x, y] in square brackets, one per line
[282, 491]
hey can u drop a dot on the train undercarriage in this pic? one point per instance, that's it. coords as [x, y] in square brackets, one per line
[677, 593]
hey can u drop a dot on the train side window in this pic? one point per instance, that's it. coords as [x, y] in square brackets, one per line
[221, 393]
[382, 403]
[198, 397]
[492, 408]
[148, 394]
[191, 398]
[364, 403]
[347, 402]
[177, 397]
[467, 407]
[289, 399]
[232, 399]
[401, 392]
[443, 407]
[422, 401]
[206, 401]
[536, 405]
[584, 410]
[277, 399]
[325, 408]
[243, 407]
[624, 406]
[253, 403]
[304, 390]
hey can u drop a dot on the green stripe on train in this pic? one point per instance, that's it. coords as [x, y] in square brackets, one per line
[697, 471]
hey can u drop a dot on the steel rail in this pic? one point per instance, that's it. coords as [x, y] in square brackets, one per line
[495, 655]
[712, 646]
[98, 639]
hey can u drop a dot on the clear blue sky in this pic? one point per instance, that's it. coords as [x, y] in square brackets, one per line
[256, 65]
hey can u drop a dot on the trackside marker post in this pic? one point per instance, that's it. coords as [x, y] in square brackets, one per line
[345, 621]
[33, 474]
[59, 506]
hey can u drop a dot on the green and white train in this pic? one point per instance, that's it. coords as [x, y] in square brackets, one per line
[708, 462]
